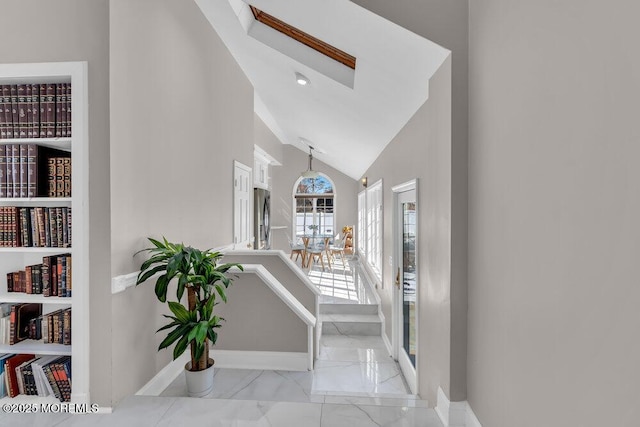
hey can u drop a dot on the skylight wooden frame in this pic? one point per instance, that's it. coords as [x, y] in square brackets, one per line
[304, 38]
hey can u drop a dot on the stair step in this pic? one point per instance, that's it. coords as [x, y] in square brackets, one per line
[349, 309]
[351, 324]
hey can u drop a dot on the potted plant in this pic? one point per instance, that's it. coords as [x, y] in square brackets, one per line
[195, 324]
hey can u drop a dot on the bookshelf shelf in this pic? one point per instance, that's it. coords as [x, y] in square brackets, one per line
[37, 250]
[29, 399]
[13, 259]
[36, 347]
[45, 201]
[59, 143]
[19, 297]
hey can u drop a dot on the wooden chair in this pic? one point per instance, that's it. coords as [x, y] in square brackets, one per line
[315, 253]
[298, 249]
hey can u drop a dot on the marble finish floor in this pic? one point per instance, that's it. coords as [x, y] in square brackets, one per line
[148, 411]
[355, 384]
[347, 367]
[344, 283]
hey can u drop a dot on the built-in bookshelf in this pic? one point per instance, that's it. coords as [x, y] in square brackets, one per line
[48, 185]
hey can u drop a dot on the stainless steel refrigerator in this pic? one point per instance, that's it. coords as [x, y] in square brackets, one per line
[261, 213]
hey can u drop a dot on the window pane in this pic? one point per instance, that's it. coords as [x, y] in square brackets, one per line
[314, 212]
[319, 185]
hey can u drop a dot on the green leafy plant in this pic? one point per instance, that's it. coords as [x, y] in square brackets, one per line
[199, 274]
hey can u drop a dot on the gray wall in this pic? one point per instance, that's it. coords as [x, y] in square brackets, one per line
[265, 139]
[181, 112]
[281, 271]
[427, 138]
[256, 319]
[77, 30]
[283, 179]
[446, 22]
[553, 213]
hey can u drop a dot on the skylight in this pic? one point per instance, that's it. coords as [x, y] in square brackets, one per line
[304, 38]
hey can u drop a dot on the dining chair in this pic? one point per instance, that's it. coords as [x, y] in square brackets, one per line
[336, 248]
[317, 252]
[298, 249]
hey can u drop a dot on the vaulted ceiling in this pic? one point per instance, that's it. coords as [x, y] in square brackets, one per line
[348, 115]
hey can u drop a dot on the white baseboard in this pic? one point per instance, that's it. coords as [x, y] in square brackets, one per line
[385, 338]
[232, 359]
[165, 377]
[455, 414]
[471, 419]
[261, 360]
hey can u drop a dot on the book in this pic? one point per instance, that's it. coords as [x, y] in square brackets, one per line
[66, 176]
[32, 170]
[46, 274]
[10, 370]
[50, 110]
[3, 119]
[22, 111]
[66, 329]
[21, 314]
[69, 277]
[3, 172]
[29, 108]
[59, 113]
[17, 285]
[8, 176]
[69, 123]
[43, 110]
[51, 380]
[62, 100]
[23, 171]
[8, 114]
[35, 110]
[61, 373]
[28, 280]
[15, 169]
[15, 132]
[35, 241]
[59, 176]
[43, 386]
[3, 387]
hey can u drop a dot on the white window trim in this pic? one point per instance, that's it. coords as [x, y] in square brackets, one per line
[294, 205]
[362, 220]
[370, 239]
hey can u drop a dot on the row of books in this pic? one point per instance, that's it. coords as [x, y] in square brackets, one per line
[32, 375]
[38, 110]
[31, 170]
[52, 278]
[24, 321]
[35, 227]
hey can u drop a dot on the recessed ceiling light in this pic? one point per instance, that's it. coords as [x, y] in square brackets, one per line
[302, 79]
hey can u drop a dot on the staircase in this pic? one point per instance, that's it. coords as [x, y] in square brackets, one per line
[350, 319]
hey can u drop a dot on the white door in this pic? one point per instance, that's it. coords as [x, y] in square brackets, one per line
[406, 281]
[242, 206]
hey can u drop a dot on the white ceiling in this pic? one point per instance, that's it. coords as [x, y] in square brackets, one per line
[351, 126]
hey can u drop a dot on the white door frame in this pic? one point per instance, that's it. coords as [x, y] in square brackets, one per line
[238, 243]
[410, 373]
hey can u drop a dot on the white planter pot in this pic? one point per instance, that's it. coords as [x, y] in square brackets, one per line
[199, 383]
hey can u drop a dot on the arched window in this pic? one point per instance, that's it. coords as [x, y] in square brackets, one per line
[314, 206]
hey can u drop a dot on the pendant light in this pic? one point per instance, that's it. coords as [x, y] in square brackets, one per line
[310, 173]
